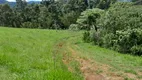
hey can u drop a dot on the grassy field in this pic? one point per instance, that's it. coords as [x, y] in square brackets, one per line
[34, 54]
[127, 66]
[30, 54]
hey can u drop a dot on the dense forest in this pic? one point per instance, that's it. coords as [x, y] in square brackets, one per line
[108, 23]
[49, 14]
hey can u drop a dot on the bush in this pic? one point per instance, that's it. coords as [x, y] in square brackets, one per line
[96, 37]
[30, 25]
[122, 25]
[120, 28]
[122, 16]
[109, 40]
[137, 50]
[128, 39]
[86, 37]
[74, 27]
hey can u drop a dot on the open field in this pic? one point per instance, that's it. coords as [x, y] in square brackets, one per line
[29, 54]
[34, 54]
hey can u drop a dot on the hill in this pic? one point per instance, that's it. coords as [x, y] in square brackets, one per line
[27, 54]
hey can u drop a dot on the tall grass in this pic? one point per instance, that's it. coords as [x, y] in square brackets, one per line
[118, 62]
[27, 54]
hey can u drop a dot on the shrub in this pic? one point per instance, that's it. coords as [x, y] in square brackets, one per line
[120, 28]
[30, 25]
[74, 27]
[137, 50]
[128, 39]
[122, 16]
[86, 37]
[109, 40]
[96, 37]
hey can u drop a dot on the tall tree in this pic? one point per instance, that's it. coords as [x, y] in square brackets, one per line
[6, 14]
[21, 4]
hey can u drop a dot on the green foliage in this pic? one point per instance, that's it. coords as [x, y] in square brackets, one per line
[76, 5]
[121, 5]
[137, 50]
[69, 18]
[120, 28]
[105, 4]
[6, 15]
[124, 23]
[102, 4]
[88, 21]
[130, 41]
[122, 16]
[45, 19]
[86, 36]
[74, 27]
[108, 40]
[50, 14]
[88, 18]
[21, 4]
[30, 25]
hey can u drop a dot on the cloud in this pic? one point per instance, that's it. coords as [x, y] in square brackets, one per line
[11, 0]
[26, 0]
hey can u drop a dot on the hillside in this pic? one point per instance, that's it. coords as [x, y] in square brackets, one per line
[27, 54]
[71, 40]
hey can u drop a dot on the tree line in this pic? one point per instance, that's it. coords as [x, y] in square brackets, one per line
[49, 14]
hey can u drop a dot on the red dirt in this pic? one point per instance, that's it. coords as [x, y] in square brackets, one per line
[87, 68]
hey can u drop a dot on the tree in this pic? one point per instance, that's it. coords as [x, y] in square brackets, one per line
[6, 15]
[47, 2]
[102, 4]
[45, 19]
[121, 28]
[88, 18]
[21, 4]
[69, 18]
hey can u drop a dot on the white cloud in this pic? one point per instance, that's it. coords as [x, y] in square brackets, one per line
[26, 0]
[11, 0]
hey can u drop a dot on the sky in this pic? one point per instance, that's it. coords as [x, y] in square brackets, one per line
[26, 0]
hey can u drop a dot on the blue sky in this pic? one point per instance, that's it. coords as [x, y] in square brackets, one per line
[26, 0]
